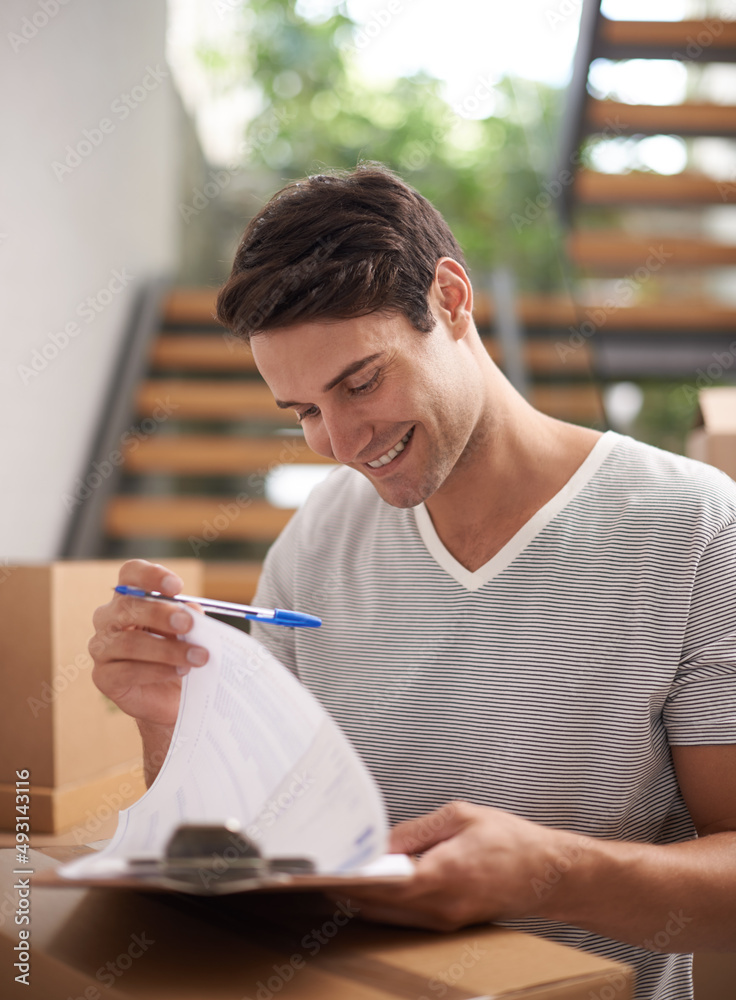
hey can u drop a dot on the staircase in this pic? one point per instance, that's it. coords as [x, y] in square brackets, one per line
[645, 239]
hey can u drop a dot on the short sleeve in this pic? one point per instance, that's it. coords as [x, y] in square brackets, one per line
[701, 705]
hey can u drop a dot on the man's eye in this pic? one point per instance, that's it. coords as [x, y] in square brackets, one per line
[309, 412]
[356, 390]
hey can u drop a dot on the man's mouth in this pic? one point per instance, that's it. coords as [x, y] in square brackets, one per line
[392, 452]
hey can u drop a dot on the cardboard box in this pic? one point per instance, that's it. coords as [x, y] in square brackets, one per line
[83, 753]
[102, 944]
[714, 439]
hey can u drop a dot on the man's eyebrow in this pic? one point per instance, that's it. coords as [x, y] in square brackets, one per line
[345, 373]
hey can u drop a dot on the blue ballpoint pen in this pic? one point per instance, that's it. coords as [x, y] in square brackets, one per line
[275, 616]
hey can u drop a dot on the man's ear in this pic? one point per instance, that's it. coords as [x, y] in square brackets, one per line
[453, 295]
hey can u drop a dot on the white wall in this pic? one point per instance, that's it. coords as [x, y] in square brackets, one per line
[64, 234]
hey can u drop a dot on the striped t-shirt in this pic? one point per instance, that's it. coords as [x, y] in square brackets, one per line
[551, 681]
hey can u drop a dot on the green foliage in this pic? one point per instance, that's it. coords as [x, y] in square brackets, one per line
[483, 174]
[668, 413]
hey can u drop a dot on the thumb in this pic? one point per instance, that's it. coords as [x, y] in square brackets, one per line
[416, 835]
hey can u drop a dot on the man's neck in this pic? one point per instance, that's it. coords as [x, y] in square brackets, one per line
[511, 468]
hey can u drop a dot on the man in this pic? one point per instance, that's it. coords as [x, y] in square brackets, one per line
[529, 627]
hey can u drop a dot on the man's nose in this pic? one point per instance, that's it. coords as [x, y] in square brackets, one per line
[343, 438]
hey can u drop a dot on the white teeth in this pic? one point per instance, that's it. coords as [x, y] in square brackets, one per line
[391, 454]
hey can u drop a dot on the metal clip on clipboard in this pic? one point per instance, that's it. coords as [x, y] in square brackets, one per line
[211, 858]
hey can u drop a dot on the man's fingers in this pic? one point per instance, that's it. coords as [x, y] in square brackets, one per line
[117, 647]
[391, 915]
[196, 607]
[138, 646]
[163, 617]
[416, 835]
[150, 576]
[117, 679]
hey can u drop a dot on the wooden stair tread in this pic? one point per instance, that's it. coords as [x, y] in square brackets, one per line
[200, 352]
[542, 357]
[206, 518]
[593, 187]
[612, 249]
[190, 306]
[212, 454]
[213, 399]
[715, 34]
[666, 317]
[692, 118]
[656, 316]
[568, 402]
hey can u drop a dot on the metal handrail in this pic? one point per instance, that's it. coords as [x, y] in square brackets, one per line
[85, 530]
[573, 122]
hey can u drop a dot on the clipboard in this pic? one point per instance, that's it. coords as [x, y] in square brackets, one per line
[213, 859]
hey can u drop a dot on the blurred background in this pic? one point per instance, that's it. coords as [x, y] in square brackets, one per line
[584, 154]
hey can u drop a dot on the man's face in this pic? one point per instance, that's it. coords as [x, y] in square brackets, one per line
[398, 405]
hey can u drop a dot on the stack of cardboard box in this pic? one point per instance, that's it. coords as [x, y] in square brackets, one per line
[83, 753]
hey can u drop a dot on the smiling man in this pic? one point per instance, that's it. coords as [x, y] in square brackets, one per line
[529, 627]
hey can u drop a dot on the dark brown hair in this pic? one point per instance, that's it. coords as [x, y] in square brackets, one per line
[335, 246]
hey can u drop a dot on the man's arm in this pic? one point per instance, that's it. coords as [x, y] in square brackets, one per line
[670, 897]
[486, 864]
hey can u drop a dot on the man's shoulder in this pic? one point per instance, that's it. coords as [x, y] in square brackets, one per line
[345, 497]
[656, 464]
[669, 479]
[340, 516]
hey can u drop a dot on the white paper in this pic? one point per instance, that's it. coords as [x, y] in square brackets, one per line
[252, 744]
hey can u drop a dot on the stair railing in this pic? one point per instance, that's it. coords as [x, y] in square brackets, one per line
[92, 490]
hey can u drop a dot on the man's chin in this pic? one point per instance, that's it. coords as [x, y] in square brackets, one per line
[401, 495]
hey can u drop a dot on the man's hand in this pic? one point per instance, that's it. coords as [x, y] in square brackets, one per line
[478, 864]
[481, 864]
[138, 659]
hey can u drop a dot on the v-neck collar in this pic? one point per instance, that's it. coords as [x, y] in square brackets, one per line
[515, 545]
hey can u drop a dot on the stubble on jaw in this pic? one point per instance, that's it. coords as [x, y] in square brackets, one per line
[442, 468]
[446, 442]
